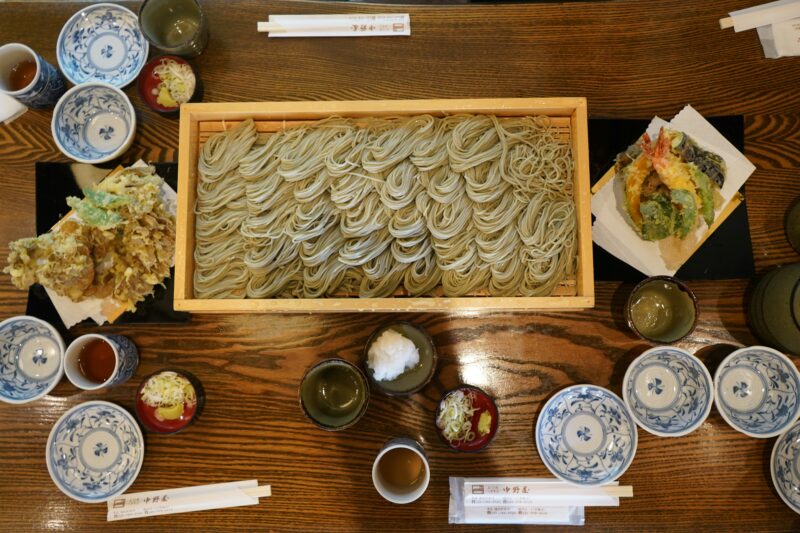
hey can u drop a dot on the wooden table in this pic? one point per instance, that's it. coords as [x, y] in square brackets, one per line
[633, 58]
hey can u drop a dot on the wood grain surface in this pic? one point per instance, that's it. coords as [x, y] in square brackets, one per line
[632, 58]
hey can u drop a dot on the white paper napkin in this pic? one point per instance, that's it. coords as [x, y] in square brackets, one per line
[765, 14]
[611, 230]
[10, 108]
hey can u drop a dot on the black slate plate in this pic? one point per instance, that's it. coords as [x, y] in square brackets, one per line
[727, 254]
[56, 181]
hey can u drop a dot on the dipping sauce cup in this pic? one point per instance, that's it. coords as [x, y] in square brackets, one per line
[334, 394]
[661, 309]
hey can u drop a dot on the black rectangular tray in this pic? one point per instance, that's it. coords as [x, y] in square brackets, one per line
[726, 254]
[56, 181]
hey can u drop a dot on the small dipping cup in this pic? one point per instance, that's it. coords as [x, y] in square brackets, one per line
[661, 309]
[334, 394]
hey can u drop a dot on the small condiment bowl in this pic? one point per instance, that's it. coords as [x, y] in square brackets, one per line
[146, 414]
[321, 390]
[148, 81]
[669, 391]
[31, 359]
[414, 379]
[93, 123]
[485, 403]
[757, 391]
[683, 312]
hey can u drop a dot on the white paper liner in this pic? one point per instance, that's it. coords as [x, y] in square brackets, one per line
[98, 309]
[614, 233]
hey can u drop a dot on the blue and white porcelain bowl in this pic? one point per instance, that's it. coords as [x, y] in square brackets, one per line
[585, 435]
[785, 467]
[31, 359]
[102, 42]
[668, 391]
[756, 390]
[93, 123]
[95, 452]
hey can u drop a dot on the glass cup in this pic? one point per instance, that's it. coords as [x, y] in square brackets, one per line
[177, 27]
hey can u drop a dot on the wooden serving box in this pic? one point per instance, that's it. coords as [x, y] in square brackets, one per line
[199, 121]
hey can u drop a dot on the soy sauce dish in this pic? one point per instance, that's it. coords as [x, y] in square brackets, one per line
[168, 401]
[166, 82]
[467, 419]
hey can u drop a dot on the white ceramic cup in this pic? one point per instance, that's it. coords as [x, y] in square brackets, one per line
[125, 354]
[393, 493]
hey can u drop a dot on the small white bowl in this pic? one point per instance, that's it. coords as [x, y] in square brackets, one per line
[93, 123]
[757, 391]
[783, 466]
[31, 359]
[668, 391]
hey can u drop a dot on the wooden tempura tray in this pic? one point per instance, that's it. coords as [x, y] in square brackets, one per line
[199, 121]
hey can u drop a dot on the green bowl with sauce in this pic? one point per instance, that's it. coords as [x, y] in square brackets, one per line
[334, 394]
[661, 309]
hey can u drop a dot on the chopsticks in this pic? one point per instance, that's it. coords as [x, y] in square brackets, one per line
[352, 25]
[187, 499]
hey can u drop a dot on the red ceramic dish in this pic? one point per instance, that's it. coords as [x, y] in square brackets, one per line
[147, 414]
[482, 402]
[148, 81]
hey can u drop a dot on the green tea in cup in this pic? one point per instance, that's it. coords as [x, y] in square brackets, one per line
[334, 394]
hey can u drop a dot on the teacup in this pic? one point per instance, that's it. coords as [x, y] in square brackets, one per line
[97, 361]
[45, 85]
[401, 472]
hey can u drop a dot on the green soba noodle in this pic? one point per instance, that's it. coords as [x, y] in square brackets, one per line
[338, 207]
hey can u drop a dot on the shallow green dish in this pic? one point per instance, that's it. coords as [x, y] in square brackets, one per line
[756, 310]
[777, 304]
[411, 380]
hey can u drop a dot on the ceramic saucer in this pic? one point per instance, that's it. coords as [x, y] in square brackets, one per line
[585, 435]
[94, 451]
[102, 42]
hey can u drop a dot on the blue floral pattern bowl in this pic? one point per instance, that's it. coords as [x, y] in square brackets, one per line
[102, 42]
[668, 391]
[95, 451]
[585, 435]
[31, 359]
[756, 390]
[785, 467]
[93, 123]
